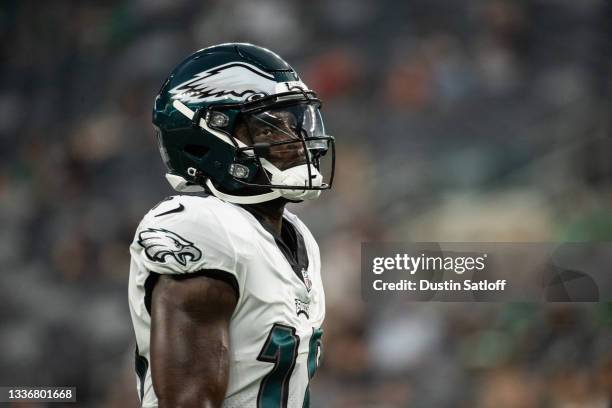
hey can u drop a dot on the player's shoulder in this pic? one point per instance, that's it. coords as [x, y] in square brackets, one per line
[188, 233]
[190, 211]
[203, 220]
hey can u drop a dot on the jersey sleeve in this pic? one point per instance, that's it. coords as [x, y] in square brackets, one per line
[179, 238]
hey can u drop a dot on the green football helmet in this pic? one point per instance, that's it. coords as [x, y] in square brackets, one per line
[230, 89]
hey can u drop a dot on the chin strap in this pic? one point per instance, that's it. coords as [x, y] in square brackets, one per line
[253, 199]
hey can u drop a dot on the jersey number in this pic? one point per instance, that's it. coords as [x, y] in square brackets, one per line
[281, 349]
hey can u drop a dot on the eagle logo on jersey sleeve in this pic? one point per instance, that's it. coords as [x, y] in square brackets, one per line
[160, 244]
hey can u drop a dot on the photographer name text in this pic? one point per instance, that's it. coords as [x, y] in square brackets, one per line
[411, 265]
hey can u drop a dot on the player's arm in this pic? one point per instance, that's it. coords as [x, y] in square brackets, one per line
[190, 340]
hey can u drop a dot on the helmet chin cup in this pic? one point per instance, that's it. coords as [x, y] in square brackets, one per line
[298, 176]
[181, 185]
[299, 195]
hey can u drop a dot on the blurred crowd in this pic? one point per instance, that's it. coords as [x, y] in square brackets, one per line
[479, 120]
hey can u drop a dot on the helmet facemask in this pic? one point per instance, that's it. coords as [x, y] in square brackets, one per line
[289, 143]
[278, 144]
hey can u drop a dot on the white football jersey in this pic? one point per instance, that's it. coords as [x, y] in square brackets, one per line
[275, 330]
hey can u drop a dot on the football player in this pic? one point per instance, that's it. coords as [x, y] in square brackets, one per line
[225, 288]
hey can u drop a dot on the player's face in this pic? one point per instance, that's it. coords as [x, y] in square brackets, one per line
[279, 126]
[285, 129]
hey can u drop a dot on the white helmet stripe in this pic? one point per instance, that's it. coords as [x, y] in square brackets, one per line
[181, 107]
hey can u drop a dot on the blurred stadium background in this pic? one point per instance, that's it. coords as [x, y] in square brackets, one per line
[456, 121]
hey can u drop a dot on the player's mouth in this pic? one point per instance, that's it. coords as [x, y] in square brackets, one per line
[288, 155]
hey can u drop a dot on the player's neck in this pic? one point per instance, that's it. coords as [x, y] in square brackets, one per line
[269, 213]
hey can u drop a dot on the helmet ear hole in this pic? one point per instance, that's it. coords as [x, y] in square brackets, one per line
[197, 151]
